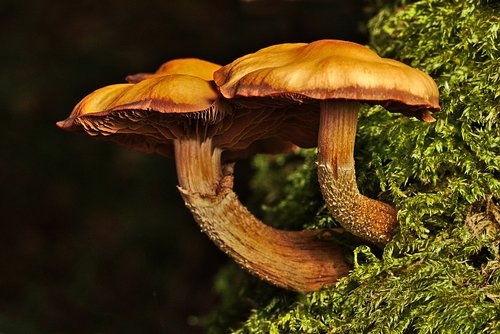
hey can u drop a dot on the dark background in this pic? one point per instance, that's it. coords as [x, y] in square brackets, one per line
[94, 238]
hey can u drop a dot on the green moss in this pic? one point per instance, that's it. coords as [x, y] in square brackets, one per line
[441, 273]
[287, 187]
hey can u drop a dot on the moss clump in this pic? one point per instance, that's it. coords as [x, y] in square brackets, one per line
[441, 273]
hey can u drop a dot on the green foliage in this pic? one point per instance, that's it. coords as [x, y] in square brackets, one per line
[441, 273]
[277, 182]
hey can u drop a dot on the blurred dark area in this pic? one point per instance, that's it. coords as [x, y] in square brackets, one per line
[95, 238]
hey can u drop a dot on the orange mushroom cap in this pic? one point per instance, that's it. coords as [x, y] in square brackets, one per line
[329, 69]
[149, 114]
[190, 66]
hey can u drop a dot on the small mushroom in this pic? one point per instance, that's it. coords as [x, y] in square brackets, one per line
[184, 115]
[332, 78]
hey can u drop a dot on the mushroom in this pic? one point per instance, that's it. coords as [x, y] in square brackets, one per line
[184, 114]
[334, 77]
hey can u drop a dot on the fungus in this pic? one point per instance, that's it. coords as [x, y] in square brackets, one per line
[334, 77]
[191, 66]
[183, 115]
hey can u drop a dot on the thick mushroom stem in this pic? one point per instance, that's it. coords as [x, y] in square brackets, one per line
[198, 165]
[364, 217]
[298, 260]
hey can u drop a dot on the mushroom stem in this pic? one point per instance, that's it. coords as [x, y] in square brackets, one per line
[297, 260]
[364, 217]
[198, 165]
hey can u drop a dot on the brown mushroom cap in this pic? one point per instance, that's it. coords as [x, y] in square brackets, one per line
[329, 69]
[164, 94]
[148, 115]
[190, 66]
[131, 114]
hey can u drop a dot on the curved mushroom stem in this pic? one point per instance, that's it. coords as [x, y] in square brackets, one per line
[296, 260]
[364, 217]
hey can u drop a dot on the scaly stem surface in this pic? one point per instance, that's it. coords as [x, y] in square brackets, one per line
[296, 260]
[364, 217]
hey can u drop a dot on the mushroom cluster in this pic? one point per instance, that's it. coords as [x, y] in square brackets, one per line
[207, 117]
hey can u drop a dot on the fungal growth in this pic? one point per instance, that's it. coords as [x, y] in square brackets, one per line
[191, 66]
[183, 115]
[330, 78]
